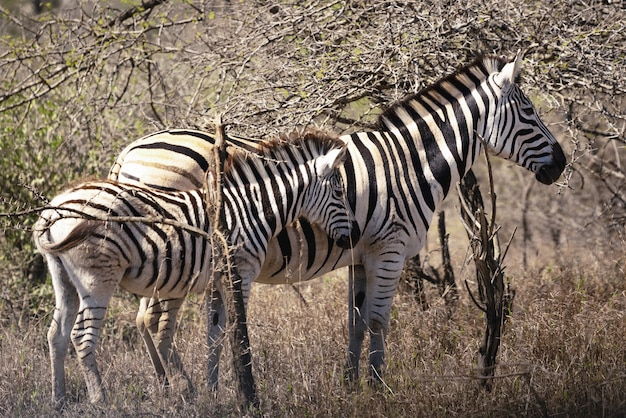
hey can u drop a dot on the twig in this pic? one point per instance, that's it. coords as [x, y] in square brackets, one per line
[120, 219]
[300, 295]
[146, 6]
[492, 193]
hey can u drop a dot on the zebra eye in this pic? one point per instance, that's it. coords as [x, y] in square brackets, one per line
[528, 111]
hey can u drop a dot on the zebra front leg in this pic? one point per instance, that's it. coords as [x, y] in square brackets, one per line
[160, 321]
[357, 314]
[216, 312]
[240, 344]
[383, 278]
[63, 319]
[378, 333]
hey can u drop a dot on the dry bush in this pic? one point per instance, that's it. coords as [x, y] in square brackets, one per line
[82, 81]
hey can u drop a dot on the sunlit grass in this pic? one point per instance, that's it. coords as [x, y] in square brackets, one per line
[562, 353]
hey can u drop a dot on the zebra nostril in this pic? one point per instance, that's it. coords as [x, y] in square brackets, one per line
[549, 173]
[346, 242]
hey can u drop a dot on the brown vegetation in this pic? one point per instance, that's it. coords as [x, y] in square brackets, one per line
[562, 354]
[81, 82]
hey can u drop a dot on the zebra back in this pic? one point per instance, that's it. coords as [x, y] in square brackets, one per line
[174, 159]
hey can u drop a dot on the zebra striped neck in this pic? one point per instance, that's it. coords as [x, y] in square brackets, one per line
[286, 167]
[445, 122]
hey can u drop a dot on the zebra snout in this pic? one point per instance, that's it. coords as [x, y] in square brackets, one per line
[549, 173]
[346, 242]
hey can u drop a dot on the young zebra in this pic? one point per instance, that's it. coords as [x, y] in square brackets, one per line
[89, 257]
[396, 179]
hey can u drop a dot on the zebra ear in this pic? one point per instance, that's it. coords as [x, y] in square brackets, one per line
[331, 160]
[506, 77]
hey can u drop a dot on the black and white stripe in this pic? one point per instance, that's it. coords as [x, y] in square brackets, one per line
[397, 177]
[93, 243]
[174, 159]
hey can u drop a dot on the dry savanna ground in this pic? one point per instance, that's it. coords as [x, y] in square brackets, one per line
[562, 352]
[80, 83]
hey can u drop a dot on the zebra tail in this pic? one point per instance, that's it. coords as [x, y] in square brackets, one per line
[77, 236]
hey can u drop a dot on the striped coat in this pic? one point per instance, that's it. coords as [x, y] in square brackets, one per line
[93, 241]
[396, 179]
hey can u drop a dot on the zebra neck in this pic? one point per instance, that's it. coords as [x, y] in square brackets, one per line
[252, 218]
[442, 135]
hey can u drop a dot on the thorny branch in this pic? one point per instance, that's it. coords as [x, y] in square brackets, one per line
[495, 299]
[225, 273]
[148, 220]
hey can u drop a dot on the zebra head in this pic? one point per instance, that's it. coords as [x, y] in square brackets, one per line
[325, 201]
[518, 133]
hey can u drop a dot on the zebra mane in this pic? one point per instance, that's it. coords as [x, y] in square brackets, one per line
[478, 70]
[313, 142]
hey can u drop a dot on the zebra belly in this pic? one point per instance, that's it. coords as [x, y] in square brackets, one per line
[173, 277]
[292, 257]
[174, 287]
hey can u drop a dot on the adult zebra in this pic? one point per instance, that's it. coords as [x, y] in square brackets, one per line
[396, 179]
[90, 253]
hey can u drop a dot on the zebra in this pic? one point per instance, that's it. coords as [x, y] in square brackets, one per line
[396, 178]
[89, 253]
[173, 159]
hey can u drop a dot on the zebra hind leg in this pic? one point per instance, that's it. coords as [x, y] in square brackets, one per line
[95, 292]
[143, 322]
[357, 324]
[63, 319]
[85, 337]
[159, 320]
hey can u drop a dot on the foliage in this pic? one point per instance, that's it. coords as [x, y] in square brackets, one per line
[81, 81]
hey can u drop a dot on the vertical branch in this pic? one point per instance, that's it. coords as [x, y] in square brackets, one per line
[526, 234]
[224, 271]
[449, 292]
[215, 208]
[494, 301]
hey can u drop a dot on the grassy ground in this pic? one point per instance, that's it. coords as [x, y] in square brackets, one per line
[562, 354]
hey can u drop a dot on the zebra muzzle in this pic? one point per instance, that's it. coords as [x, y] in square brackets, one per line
[549, 173]
[346, 242]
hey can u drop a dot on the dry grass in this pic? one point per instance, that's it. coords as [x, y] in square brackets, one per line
[562, 353]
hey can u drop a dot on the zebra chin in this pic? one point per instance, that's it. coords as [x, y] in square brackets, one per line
[346, 242]
[549, 173]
